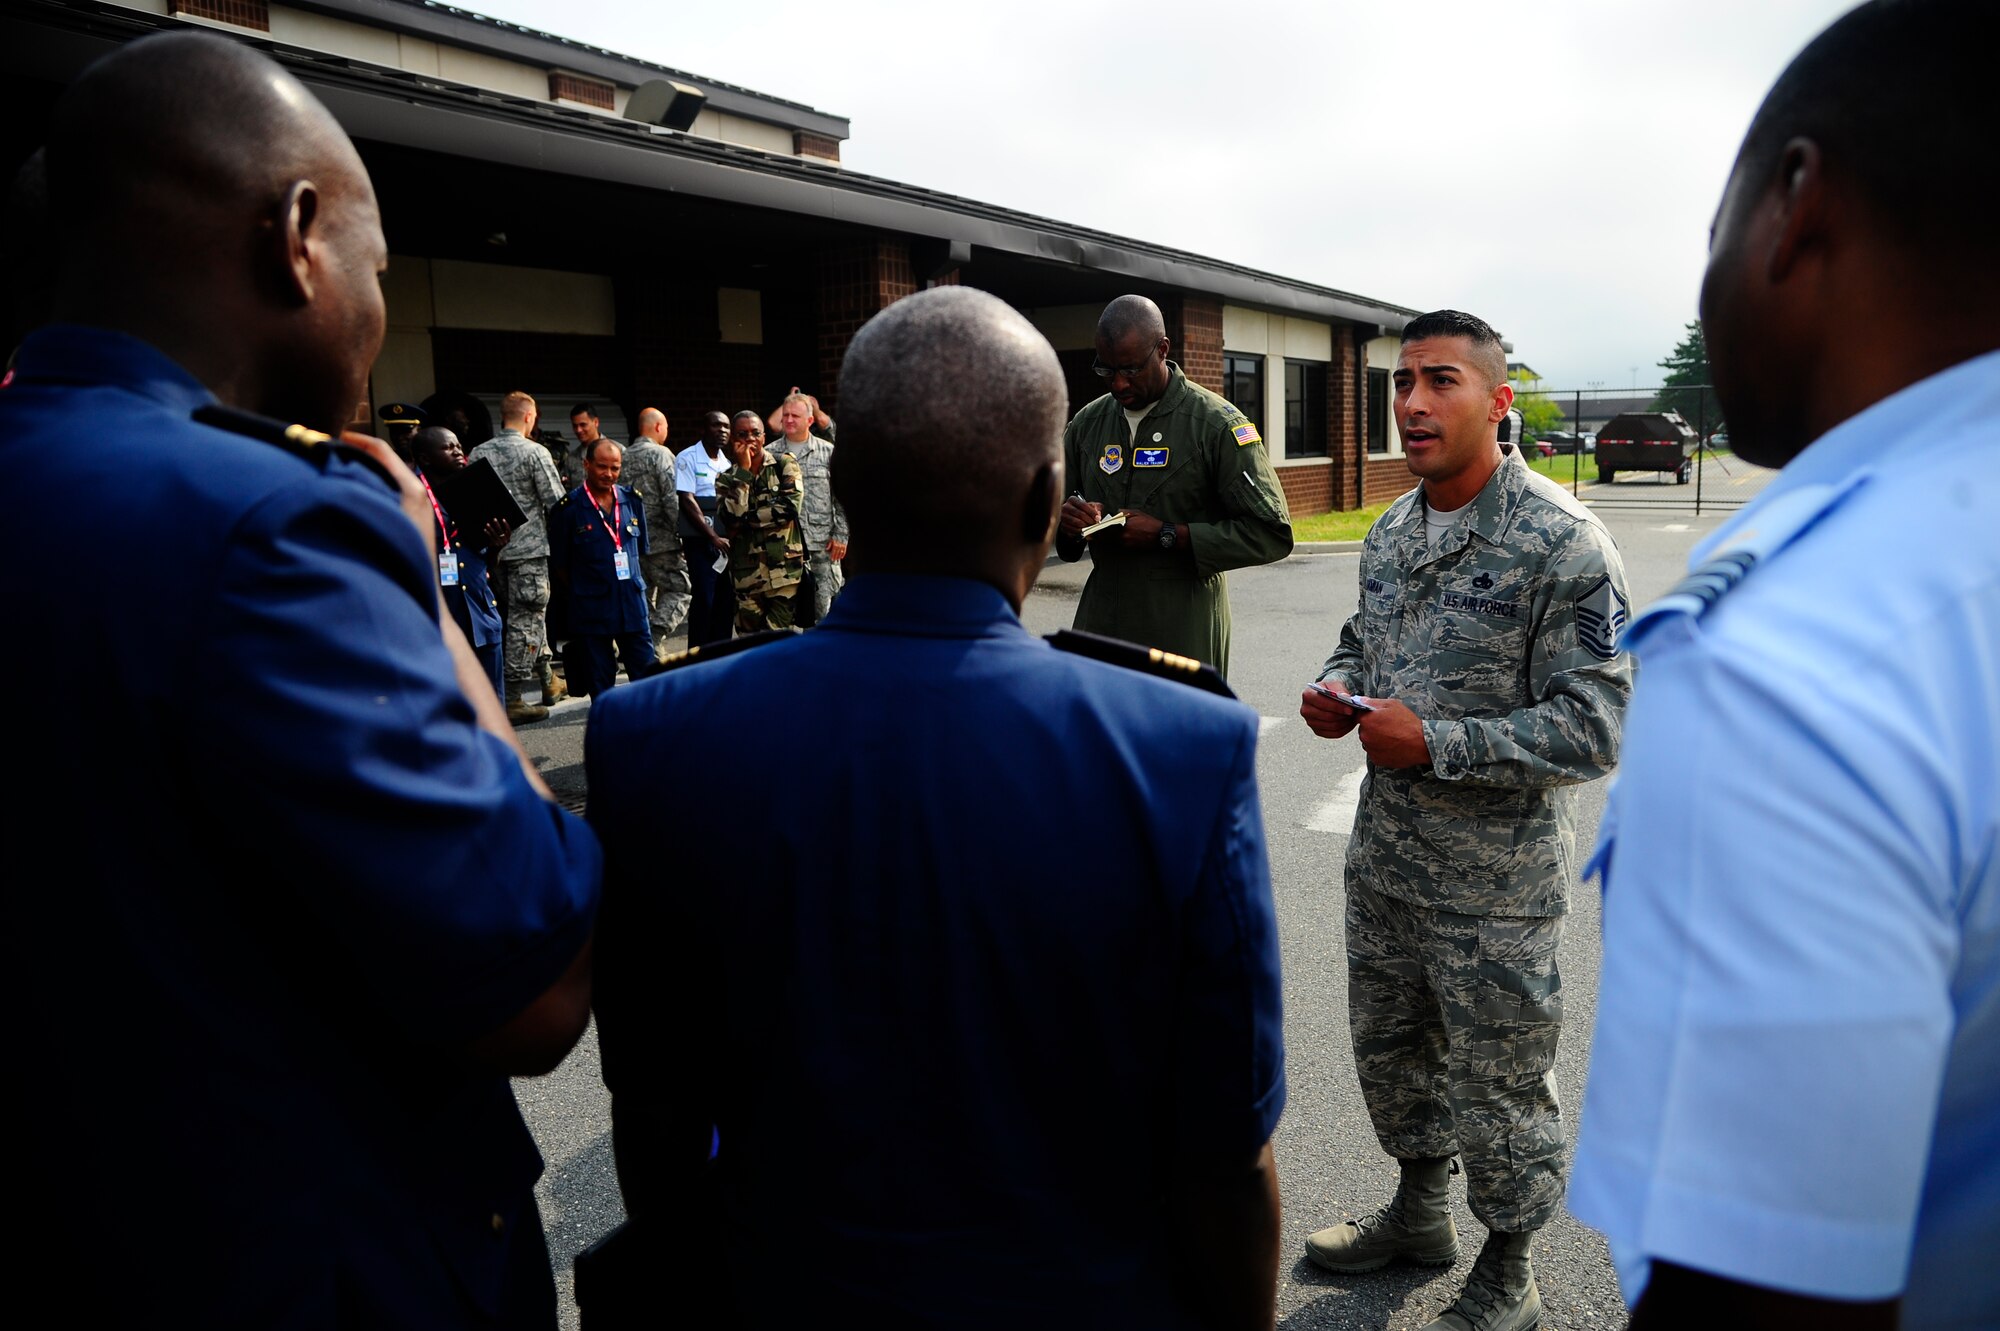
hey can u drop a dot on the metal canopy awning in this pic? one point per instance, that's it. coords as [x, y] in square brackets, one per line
[55, 41]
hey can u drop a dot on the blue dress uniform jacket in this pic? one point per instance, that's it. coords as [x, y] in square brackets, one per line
[294, 879]
[1007, 957]
[580, 557]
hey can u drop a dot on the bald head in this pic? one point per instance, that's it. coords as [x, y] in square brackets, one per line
[218, 211]
[952, 410]
[1131, 316]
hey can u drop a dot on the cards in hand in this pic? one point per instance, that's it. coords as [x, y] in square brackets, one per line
[1344, 699]
[1115, 520]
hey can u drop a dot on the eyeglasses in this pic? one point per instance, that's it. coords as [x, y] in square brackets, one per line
[1103, 371]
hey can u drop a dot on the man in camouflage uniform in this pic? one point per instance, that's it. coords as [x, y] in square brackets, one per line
[1191, 475]
[1486, 640]
[521, 575]
[821, 519]
[649, 472]
[758, 501]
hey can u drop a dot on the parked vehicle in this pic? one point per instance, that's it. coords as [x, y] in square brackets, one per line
[1646, 441]
[1565, 442]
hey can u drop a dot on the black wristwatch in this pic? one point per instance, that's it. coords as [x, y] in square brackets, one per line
[1168, 535]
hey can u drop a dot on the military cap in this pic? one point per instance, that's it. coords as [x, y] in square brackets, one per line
[402, 413]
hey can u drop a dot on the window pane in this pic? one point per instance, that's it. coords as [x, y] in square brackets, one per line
[1378, 411]
[1305, 409]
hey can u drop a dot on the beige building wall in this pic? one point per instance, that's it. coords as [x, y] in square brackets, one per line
[1067, 327]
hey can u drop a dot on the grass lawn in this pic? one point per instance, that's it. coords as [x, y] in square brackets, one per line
[1561, 468]
[1338, 526]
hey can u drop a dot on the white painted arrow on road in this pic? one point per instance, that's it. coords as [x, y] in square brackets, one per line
[1337, 814]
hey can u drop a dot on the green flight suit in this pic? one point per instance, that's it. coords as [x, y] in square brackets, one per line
[1196, 460]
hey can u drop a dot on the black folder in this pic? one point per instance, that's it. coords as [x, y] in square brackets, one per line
[474, 497]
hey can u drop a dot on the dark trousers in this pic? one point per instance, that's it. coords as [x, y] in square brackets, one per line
[601, 668]
[490, 657]
[713, 612]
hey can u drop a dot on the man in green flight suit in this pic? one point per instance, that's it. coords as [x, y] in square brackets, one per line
[1191, 475]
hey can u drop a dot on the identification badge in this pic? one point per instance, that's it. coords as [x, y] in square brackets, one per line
[1149, 457]
[1113, 459]
[447, 569]
[620, 562]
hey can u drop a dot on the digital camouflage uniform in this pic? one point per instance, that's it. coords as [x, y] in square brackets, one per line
[1196, 460]
[767, 554]
[1504, 640]
[821, 519]
[521, 574]
[649, 471]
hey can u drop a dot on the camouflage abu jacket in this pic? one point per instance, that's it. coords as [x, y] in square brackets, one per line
[1505, 641]
[759, 514]
[821, 517]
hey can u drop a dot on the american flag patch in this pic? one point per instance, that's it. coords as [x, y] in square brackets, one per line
[1246, 433]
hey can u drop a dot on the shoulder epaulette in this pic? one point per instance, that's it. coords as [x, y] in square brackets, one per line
[1146, 660]
[298, 440]
[715, 651]
[1711, 582]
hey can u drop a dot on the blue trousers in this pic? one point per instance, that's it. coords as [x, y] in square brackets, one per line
[634, 649]
[712, 616]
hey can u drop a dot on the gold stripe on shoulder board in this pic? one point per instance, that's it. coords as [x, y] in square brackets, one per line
[1187, 663]
[681, 657]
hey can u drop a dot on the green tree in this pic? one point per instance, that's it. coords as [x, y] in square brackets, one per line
[1687, 384]
[1539, 412]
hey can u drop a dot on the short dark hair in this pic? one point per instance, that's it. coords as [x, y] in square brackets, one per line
[745, 412]
[1895, 93]
[590, 453]
[583, 409]
[1486, 346]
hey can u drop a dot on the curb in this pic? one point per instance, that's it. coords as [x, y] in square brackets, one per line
[1327, 547]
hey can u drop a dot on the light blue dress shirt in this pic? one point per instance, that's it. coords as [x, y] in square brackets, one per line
[1795, 1077]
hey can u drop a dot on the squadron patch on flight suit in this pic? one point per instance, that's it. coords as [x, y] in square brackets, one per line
[1600, 618]
[1113, 459]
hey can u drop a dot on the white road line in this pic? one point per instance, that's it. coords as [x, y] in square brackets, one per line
[1267, 724]
[1337, 814]
[1674, 526]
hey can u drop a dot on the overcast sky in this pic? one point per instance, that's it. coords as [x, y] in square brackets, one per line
[1550, 165]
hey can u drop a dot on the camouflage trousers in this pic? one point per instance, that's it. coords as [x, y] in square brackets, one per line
[522, 586]
[827, 582]
[1455, 1020]
[668, 591]
[756, 613]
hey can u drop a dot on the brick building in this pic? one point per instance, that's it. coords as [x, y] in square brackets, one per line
[589, 226]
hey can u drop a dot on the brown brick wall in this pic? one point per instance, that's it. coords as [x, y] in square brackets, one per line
[243, 13]
[807, 144]
[1308, 488]
[1387, 478]
[1194, 326]
[856, 282]
[576, 88]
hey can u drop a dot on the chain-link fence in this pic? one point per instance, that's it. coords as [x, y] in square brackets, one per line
[1631, 447]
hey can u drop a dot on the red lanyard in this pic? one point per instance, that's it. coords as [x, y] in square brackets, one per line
[443, 526]
[617, 516]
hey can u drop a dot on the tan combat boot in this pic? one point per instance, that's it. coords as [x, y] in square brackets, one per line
[1500, 1294]
[1415, 1225]
[520, 712]
[553, 688]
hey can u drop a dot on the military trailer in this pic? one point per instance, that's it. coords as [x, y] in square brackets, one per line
[1646, 441]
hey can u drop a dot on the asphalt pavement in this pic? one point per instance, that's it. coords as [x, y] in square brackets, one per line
[1286, 618]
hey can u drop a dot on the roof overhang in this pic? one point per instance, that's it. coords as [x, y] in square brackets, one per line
[50, 40]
